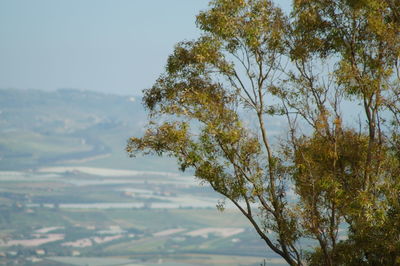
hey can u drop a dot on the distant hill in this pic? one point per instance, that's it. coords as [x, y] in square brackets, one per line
[68, 126]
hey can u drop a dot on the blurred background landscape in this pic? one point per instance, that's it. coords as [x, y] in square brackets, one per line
[70, 195]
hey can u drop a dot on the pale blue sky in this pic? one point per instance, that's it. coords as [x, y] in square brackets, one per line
[113, 46]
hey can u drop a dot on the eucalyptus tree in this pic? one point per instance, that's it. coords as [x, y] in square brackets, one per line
[329, 172]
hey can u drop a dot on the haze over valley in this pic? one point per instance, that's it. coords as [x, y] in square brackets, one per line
[70, 195]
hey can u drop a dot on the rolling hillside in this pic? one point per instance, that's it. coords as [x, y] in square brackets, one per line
[39, 128]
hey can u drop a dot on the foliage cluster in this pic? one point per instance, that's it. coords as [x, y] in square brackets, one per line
[331, 172]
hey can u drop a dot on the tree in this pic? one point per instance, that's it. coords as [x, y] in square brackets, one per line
[330, 172]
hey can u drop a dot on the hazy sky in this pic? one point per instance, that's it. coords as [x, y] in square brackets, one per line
[113, 46]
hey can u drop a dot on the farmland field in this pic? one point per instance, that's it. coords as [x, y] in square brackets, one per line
[116, 214]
